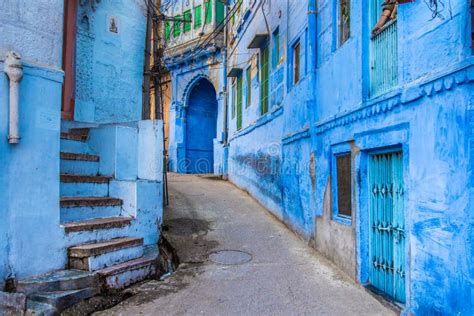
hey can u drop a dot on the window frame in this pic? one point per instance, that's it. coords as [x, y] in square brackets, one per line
[234, 98]
[207, 12]
[276, 54]
[340, 151]
[340, 24]
[239, 102]
[197, 16]
[177, 26]
[264, 68]
[248, 81]
[187, 26]
[168, 31]
[294, 79]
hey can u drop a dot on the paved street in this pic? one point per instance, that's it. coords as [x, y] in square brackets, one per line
[283, 277]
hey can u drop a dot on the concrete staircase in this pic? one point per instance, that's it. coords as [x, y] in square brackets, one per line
[101, 253]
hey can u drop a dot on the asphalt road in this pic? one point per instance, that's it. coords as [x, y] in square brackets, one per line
[273, 271]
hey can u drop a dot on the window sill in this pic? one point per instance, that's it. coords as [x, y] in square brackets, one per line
[344, 220]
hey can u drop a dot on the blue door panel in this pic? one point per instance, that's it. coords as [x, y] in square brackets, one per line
[201, 121]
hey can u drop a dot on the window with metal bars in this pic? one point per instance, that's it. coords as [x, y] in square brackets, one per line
[264, 87]
[383, 47]
[187, 16]
[177, 26]
[197, 16]
[207, 12]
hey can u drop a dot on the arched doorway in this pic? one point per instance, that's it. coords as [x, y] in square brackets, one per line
[201, 125]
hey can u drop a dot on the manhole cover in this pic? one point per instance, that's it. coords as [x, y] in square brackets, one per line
[230, 257]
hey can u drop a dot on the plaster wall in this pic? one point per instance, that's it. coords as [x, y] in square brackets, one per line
[30, 231]
[33, 30]
[109, 65]
[270, 156]
[30, 235]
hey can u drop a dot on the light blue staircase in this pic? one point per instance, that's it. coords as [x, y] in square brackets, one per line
[97, 233]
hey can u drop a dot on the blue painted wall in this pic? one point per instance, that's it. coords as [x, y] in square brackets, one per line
[109, 66]
[425, 116]
[30, 235]
[285, 158]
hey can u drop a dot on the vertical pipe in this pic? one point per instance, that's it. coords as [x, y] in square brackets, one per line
[14, 71]
[225, 83]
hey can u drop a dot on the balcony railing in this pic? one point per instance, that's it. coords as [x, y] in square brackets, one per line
[384, 60]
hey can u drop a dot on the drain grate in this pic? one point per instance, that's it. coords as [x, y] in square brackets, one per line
[230, 257]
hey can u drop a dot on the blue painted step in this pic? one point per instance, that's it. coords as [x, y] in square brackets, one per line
[83, 164]
[84, 208]
[100, 255]
[79, 185]
[75, 146]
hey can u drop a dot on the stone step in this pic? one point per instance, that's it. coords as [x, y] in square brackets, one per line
[82, 167]
[75, 178]
[75, 137]
[75, 146]
[127, 273]
[80, 157]
[89, 201]
[83, 186]
[104, 254]
[97, 224]
[61, 300]
[63, 280]
[84, 131]
[84, 213]
[40, 309]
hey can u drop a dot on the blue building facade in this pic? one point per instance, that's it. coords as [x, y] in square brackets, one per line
[82, 173]
[361, 142]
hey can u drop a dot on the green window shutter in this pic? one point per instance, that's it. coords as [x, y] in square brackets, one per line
[187, 21]
[239, 102]
[197, 16]
[177, 26]
[167, 31]
[219, 11]
[264, 81]
[207, 12]
[234, 98]
[249, 86]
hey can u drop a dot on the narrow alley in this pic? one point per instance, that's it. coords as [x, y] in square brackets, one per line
[276, 273]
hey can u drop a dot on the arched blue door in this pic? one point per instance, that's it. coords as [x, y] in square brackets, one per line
[201, 121]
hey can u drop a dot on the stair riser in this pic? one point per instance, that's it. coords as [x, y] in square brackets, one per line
[94, 263]
[126, 278]
[66, 300]
[74, 146]
[74, 214]
[83, 237]
[89, 168]
[53, 286]
[84, 189]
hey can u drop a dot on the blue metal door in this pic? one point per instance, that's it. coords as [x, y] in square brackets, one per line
[387, 224]
[201, 125]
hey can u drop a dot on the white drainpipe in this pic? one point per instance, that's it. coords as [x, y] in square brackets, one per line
[14, 71]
